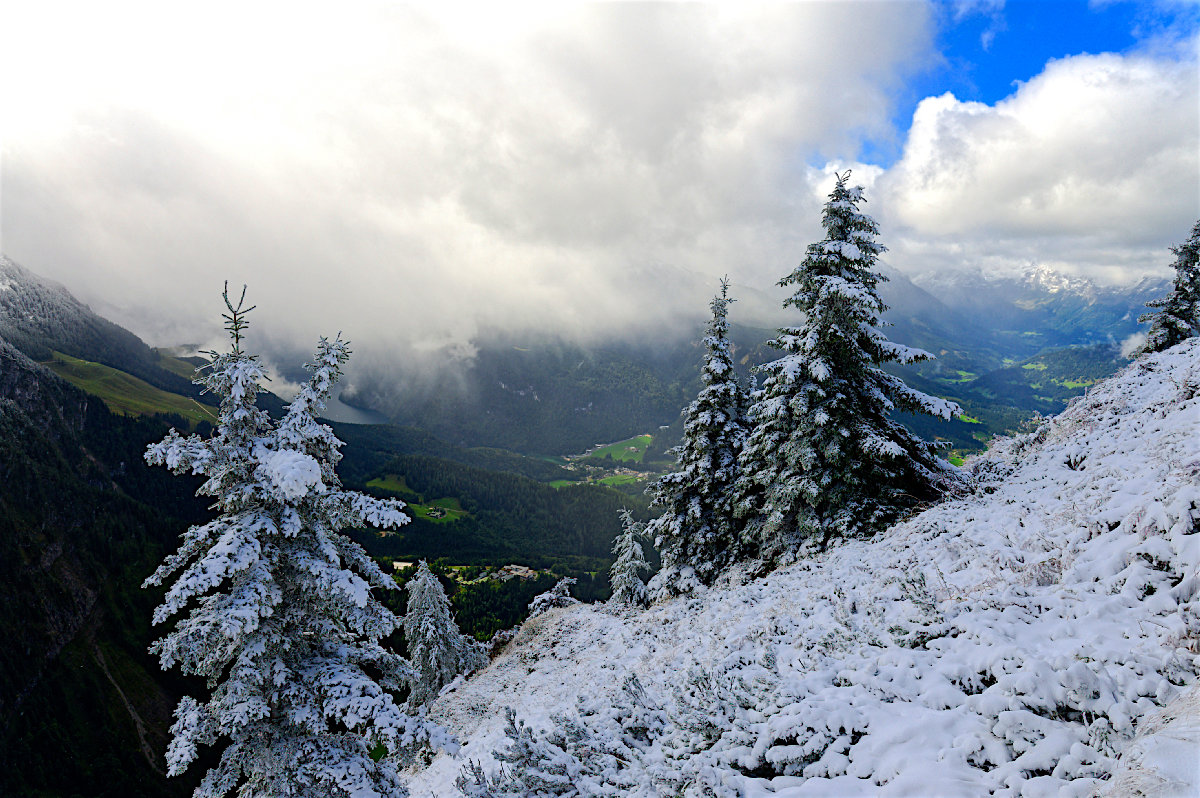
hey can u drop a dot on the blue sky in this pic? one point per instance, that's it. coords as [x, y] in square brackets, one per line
[985, 48]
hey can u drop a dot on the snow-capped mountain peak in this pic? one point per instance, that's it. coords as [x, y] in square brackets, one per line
[1043, 278]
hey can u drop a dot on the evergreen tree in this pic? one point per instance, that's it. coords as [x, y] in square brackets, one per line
[437, 649]
[277, 605]
[1179, 318]
[698, 535]
[627, 585]
[825, 458]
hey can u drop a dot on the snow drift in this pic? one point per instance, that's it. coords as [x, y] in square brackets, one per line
[1023, 640]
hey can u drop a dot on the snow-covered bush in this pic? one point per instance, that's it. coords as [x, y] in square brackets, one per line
[437, 649]
[276, 605]
[592, 751]
[557, 596]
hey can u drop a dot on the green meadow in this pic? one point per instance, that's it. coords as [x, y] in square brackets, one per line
[438, 511]
[124, 393]
[631, 450]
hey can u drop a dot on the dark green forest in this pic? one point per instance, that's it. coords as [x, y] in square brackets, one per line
[82, 522]
[512, 518]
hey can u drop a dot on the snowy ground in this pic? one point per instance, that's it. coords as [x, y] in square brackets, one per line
[1023, 640]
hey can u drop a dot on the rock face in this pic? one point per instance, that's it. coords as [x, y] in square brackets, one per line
[1012, 642]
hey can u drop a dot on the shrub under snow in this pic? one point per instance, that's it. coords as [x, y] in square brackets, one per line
[1012, 642]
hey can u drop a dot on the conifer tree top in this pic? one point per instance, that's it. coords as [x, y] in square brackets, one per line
[825, 457]
[1178, 317]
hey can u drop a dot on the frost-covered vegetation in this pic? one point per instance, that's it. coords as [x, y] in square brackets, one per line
[438, 651]
[1178, 314]
[698, 535]
[1009, 642]
[274, 606]
[825, 458]
[625, 576]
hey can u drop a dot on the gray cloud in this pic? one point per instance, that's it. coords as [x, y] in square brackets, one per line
[411, 179]
[413, 176]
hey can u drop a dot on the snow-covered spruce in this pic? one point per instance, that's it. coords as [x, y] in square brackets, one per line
[697, 535]
[628, 589]
[276, 605]
[1010, 642]
[824, 458]
[1178, 317]
[438, 651]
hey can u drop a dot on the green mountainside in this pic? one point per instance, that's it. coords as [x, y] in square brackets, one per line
[125, 394]
[40, 317]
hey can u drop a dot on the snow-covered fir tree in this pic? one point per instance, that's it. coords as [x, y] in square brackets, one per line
[437, 649]
[698, 534]
[1179, 316]
[625, 574]
[825, 458]
[276, 606]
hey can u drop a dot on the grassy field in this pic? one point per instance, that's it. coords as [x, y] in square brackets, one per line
[439, 511]
[124, 393]
[562, 483]
[618, 479]
[962, 376]
[177, 365]
[444, 511]
[393, 483]
[626, 451]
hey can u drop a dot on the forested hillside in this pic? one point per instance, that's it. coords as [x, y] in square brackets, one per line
[508, 517]
[83, 708]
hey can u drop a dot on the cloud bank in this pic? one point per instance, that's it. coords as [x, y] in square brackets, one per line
[414, 176]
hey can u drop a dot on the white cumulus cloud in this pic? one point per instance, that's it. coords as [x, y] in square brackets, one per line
[1091, 167]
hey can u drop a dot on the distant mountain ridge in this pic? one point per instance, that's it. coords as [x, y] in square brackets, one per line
[1045, 307]
[544, 394]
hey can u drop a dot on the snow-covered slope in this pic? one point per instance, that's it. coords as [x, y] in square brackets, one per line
[1012, 642]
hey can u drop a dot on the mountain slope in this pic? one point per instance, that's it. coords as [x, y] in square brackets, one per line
[1010, 642]
[84, 709]
[39, 316]
[1042, 309]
